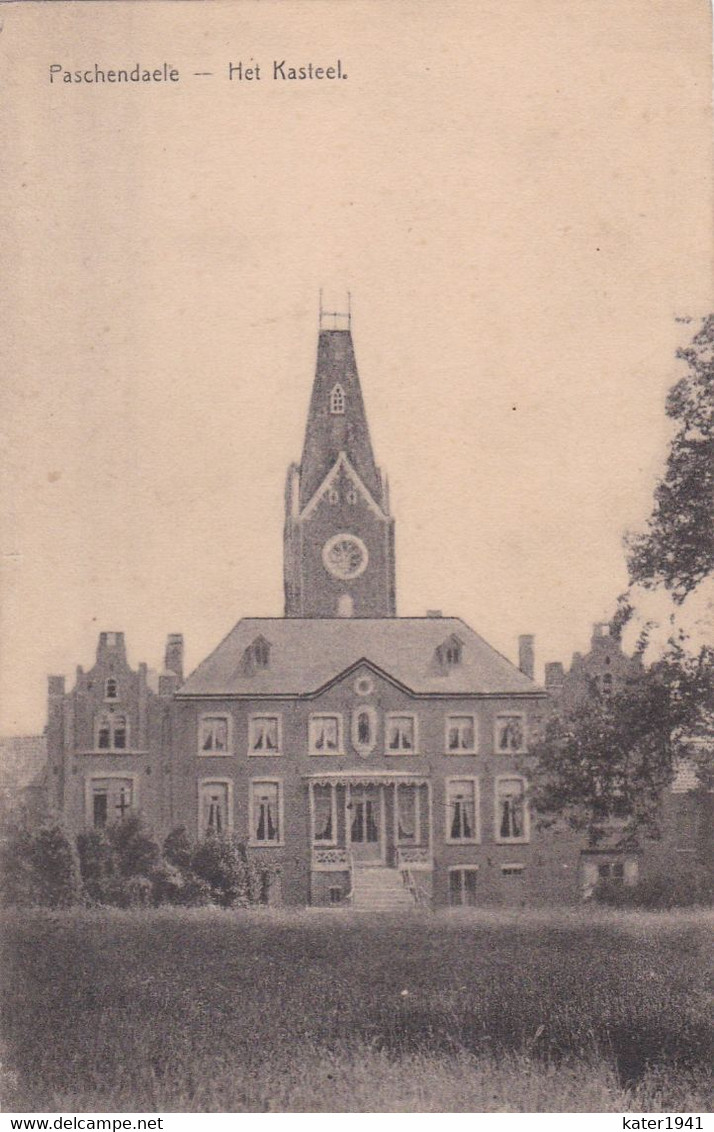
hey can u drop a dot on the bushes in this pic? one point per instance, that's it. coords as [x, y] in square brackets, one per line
[660, 892]
[39, 867]
[122, 865]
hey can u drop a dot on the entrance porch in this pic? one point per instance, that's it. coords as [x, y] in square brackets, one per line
[360, 822]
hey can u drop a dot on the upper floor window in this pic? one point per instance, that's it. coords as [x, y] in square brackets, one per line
[364, 729]
[112, 732]
[265, 812]
[511, 813]
[337, 400]
[214, 735]
[460, 734]
[510, 733]
[461, 809]
[110, 800]
[111, 689]
[401, 734]
[325, 734]
[264, 735]
[607, 684]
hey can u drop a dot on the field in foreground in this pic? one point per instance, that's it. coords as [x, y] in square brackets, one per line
[213, 1011]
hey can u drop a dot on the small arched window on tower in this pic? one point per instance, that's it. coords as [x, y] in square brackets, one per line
[607, 684]
[337, 400]
[111, 689]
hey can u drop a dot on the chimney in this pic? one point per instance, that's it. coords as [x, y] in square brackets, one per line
[55, 685]
[526, 655]
[554, 676]
[173, 659]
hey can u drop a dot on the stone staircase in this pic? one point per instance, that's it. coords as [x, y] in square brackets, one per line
[379, 890]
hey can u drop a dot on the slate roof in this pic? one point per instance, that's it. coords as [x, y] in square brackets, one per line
[307, 654]
[328, 434]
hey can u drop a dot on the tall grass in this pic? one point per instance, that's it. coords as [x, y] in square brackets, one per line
[207, 1010]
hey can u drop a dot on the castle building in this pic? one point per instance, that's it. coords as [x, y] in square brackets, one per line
[687, 809]
[359, 755]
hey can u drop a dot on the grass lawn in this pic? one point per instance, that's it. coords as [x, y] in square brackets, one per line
[308, 1011]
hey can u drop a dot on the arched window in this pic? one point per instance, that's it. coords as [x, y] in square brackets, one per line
[111, 690]
[607, 684]
[337, 400]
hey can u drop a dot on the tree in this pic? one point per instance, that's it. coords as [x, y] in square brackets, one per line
[612, 757]
[677, 549]
[39, 866]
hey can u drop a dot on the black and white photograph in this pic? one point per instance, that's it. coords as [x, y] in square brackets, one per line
[356, 602]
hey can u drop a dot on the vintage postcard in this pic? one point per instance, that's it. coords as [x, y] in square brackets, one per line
[356, 557]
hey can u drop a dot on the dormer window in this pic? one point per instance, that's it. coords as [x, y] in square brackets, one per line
[257, 655]
[337, 401]
[111, 689]
[448, 655]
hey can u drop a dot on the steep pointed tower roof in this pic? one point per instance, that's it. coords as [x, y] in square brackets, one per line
[336, 420]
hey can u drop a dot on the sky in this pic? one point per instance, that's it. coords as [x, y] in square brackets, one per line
[518, 198]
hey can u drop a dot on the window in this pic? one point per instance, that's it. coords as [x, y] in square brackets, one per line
[461, 810]
[215, 808]
[401, 734]
[512, 870]
[460, 734]
[333, 495]
[511, 812]
[120, 732]
[364, 729]
[264, 735]
[337, 400]
[214, 735]
[112, 732]
[411, 814]
[324, 815]
[111, 689]
[612, 871]
[462, 887]
[351, 496]
[448, 654]
[265, 812]
[364, 685]
[257, 655]
[325, 734]
[104, 734]
[109, 800]
[607, 684]
[510, 734]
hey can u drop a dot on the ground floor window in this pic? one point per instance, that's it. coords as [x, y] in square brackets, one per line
[461, 809]
[511, 815]
[512, 870]
[265, 812]
[215, 808]
[462, 886]
[111, 799]
[324, 814]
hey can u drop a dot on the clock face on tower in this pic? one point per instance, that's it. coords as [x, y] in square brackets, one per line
[345, 556]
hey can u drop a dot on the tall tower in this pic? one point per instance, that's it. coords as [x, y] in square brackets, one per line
[339, 535]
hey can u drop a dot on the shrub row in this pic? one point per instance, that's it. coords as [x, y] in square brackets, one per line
[657, 893]
[124, 866]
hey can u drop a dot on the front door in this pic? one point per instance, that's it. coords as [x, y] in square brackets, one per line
[366, 824]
